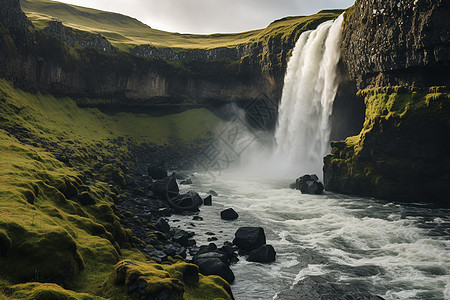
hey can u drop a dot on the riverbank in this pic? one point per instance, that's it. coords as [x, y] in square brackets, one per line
[62, 169]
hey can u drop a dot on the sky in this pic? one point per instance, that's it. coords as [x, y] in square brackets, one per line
[211, 16]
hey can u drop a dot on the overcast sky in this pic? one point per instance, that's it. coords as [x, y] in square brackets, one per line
[211, 16]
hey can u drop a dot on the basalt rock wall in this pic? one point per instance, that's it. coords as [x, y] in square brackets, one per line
[397, 42]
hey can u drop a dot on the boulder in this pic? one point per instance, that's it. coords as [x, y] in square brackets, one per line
[188, 202]
[249, 238]
[214, 266]
[229, 214]
[162, 225]
[156, 173]
[165, 188]
[264, 254]
[309, 184]
[156, 255]
[208, 200]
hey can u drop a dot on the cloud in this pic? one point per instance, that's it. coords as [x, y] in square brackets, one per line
[211, 16]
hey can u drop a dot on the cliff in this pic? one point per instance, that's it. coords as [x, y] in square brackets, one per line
[64, 60]
[396, 53]
[397, 43]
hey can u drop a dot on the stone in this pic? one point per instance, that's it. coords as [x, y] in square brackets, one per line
[208, 200]
[156, 255]
[214, 266]
[229, 214]
[264, 254]
[214, 193]
[165, 188]
[188, 202]
[309, 184]
[249, 238]
[156, 173]
[197, 218]
[162, 225]
[181, 237]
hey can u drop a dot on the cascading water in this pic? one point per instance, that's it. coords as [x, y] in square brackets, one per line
[310, 85]
[333, 245]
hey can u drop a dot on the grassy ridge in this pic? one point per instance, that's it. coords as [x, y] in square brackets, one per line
[53, 153]
[125, 32]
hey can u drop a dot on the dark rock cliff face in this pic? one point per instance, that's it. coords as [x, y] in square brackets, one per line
[397, 42]
[83, 39]
[401, 152]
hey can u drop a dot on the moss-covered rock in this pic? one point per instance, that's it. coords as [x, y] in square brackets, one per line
[50, 157]
[402, 151]
[46, 291]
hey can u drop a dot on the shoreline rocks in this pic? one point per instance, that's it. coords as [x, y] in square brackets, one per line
[308, 184]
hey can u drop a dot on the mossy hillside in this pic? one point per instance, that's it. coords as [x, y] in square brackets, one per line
[53, 152]
[401, 151]
[125, 32]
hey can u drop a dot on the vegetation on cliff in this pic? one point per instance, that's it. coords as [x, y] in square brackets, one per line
[61, 167]
[402, 150]
[126, 32]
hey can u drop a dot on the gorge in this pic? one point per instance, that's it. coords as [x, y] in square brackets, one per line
[92, 102]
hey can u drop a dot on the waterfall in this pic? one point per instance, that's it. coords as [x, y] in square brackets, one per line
[310, 85]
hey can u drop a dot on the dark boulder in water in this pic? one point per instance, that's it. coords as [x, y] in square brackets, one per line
[208, 200]
[308, 184]
[264, 254]
[229, 214]
[249, 238]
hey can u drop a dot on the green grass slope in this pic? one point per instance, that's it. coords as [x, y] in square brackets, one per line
[125, 32]
[54, 246]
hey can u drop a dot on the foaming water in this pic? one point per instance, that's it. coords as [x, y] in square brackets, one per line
[397, 251]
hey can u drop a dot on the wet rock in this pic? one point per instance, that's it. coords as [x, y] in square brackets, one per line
[181, 236]
[249, 238]
[188, 202]
[208, 200]
[156, 255]
[214, 193]
[212, 239]
[214, 266]
[229, 214]
[309, 184]
[264, 254]
[156, 173]
[197, 218]
[209, 255]
[162, 225]
[165, 188]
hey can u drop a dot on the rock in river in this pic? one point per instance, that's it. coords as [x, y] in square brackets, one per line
[249, 238]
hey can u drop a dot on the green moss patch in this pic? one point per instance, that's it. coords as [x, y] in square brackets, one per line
[401, 152]
[60, 168]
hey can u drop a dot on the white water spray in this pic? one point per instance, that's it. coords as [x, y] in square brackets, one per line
[310, 86]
